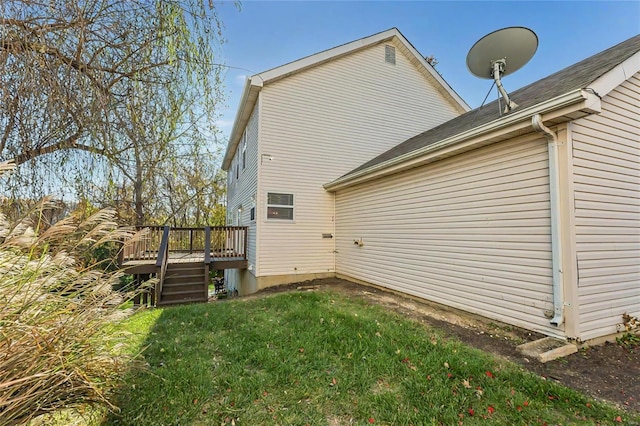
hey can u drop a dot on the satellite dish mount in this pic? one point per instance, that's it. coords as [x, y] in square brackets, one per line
[499, 66]
[501, 53]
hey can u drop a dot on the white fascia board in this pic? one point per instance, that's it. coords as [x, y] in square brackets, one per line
[581, 99]
[326, 55]
[246, 105]
[618, 75]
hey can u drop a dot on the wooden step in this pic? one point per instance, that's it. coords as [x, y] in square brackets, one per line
[189, 265]
[180, 293]
[180, 267]
[197, 275]
[179, 302]
[183, 295]
[183, 279]
[183, 286]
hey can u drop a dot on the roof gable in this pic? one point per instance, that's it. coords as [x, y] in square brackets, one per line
[593, 73]
[255, 83]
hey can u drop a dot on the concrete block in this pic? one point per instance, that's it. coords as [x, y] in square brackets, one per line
[547, 349]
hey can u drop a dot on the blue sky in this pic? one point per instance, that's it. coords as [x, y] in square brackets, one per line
[265, 34]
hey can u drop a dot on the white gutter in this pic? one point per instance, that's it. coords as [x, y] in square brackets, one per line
[405, 161]
[554, 195]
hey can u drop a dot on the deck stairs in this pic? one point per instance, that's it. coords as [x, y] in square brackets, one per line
[184, 283]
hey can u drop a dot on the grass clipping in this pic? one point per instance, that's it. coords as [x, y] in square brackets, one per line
[54, 305]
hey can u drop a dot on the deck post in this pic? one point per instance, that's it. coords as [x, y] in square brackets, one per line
[136, 286]
[207, 260]
[246, 238]
[161, 263]
[121, 252]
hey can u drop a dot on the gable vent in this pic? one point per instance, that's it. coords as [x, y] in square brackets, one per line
[390, 54]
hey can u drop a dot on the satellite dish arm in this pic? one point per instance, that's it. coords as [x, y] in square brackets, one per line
[498, 70]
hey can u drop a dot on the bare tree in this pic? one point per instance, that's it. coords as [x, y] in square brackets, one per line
[165, 173]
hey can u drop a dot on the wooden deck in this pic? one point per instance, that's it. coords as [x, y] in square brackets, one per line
[226, 245]
[181, 258]
[148, 265]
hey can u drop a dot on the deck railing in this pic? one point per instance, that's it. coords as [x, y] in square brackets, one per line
[222, 241]
[143, 246]
[229, 241]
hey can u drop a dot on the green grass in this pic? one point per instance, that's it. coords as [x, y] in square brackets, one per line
[318, 358]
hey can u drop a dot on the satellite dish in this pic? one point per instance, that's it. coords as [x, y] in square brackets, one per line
[501, 53]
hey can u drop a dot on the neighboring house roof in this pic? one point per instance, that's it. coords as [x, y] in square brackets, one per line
[254, 84]
[598, 74]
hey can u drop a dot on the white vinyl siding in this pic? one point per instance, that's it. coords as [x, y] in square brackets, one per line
[606, 155]
[321, 123]
[471, 232]
[242, 192]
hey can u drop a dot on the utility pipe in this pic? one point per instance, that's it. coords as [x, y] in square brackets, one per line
[554, 195]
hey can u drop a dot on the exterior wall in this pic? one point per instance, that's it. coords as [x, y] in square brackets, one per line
[242, 192]
[471, 232]
[273, 280]
[241, 280]
[606, 156]
[321, 123]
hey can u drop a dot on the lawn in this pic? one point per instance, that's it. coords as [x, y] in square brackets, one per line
[319, 358]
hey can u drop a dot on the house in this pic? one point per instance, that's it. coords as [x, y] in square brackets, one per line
[308, 122]
[531, 217]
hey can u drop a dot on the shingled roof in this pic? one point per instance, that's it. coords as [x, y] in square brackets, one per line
[577, 76]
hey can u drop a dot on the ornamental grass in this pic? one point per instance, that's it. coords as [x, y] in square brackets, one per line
[56, 301]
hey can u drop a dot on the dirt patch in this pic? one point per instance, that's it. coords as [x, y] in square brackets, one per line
[607, 372]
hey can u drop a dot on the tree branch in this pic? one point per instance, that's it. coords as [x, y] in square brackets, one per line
[69, 143]
[20, 46]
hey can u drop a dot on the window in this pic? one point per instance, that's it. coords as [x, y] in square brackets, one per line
[244, 150]
[390, 54]
[252, 211]
[279, 206]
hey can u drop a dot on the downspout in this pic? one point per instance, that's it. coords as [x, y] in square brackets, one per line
[335, 237]
[554, 195]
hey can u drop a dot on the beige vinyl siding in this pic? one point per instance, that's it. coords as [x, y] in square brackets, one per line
[240, 192]
[606, 152]
[318, 125]
[471, 231]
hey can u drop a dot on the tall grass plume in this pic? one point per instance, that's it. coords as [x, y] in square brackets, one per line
[55, 302]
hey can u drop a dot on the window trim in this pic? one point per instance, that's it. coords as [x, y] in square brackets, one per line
[292, 207]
